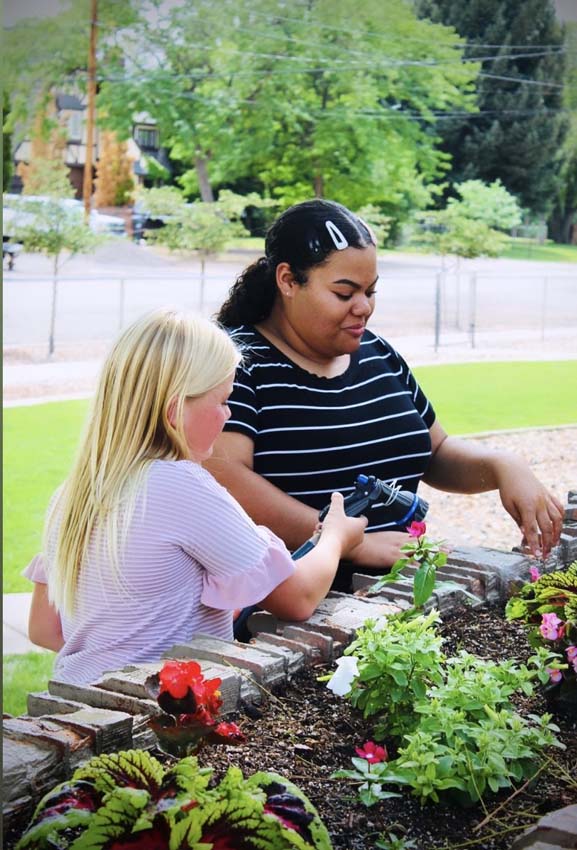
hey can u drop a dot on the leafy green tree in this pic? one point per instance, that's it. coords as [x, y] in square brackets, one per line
[202, 226]
[40, 56]
[337, 100]
[564, 214]
[491, 204]
[53, 225]
[518, 134]
[448, 231]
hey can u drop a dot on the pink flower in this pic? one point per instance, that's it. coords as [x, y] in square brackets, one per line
[571, 653]
[549, 627]
[417, 529]
[534, 573]
[372, 752]
[555, 675]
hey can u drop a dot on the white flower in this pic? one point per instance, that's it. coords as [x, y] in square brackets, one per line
[342, 679]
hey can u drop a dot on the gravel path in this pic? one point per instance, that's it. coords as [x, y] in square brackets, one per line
[481, 520]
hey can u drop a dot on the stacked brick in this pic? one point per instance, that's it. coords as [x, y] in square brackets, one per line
[68, 724]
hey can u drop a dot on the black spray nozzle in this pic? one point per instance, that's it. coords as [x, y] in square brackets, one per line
[403, 507]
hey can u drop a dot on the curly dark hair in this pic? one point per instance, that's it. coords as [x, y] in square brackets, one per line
[301, 236]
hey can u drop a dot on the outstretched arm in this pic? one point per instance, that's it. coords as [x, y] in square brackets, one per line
[297, 596]
[460, 466]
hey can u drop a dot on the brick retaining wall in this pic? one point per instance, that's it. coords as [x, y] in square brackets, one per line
[68, 724]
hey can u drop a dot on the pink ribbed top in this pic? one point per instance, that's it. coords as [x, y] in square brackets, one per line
[192, 555]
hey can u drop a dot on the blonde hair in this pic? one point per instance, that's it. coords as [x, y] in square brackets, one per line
[163, 357]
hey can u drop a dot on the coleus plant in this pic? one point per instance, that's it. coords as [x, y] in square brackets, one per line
[190, 705]
[130, 801]
[548, 606]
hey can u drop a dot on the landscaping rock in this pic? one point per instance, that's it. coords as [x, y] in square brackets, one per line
[557, 829]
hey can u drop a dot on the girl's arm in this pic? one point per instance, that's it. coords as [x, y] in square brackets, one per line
[44, 626]
[297, 596]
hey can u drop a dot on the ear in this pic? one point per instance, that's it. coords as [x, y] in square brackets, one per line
[285, 280]
[171, 411]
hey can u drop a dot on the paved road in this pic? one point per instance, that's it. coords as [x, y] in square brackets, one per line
[98, 294]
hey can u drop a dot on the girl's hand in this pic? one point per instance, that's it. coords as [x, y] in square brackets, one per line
[347, 531]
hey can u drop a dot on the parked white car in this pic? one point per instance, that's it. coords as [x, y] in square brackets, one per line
[14, 209]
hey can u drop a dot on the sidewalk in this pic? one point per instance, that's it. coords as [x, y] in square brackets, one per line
[15, 608]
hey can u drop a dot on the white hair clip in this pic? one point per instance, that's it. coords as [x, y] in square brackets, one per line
[339, 240]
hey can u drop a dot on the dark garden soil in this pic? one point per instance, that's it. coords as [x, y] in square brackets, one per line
[306, 733]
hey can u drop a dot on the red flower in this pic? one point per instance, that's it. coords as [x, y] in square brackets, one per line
[177, 678]
[372, 752]
[417, 529]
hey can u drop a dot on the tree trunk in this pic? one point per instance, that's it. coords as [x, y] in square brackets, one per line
[318, 186]
[53, 307]
[206, 193]
[559, 226]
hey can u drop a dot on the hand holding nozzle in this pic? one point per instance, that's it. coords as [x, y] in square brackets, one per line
[403, 505]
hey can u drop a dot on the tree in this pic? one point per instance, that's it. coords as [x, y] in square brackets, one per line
[44, 55]
[205, 227]
[564, 213]
[303, 103]
[471, 226]
[51, 226]
[46, 167]
[518, 133]
[114, 181]
[6, 146]
[491, 204]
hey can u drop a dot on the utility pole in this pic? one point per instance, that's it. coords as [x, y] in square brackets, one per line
[90, 108]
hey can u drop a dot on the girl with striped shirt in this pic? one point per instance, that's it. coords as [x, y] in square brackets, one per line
[143, 548]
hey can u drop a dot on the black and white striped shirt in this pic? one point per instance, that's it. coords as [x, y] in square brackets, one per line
[314, 435]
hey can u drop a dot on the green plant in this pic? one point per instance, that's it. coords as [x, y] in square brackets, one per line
[397, 661]
[427, 555]
[394, 842]
[129, 800]
[451, 718]
[548, 606]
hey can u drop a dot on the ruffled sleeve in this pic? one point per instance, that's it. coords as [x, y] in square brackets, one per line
[36, 570]
[237, 590]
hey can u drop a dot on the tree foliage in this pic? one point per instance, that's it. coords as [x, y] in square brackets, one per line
[114, 183]
[42, 55]
[491, 204]
[520, 129]
[563, 220]
[471, 226]
[51, 224]
[330, 98]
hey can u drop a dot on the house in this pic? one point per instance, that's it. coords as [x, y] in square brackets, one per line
[69, 112]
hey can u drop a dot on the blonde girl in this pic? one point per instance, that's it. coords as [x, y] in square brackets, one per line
[142, 547]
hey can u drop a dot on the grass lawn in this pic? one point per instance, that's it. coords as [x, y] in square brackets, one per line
[24, 674]
[474, 397]
[39, 444]
[40, 441]
[526, 249]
